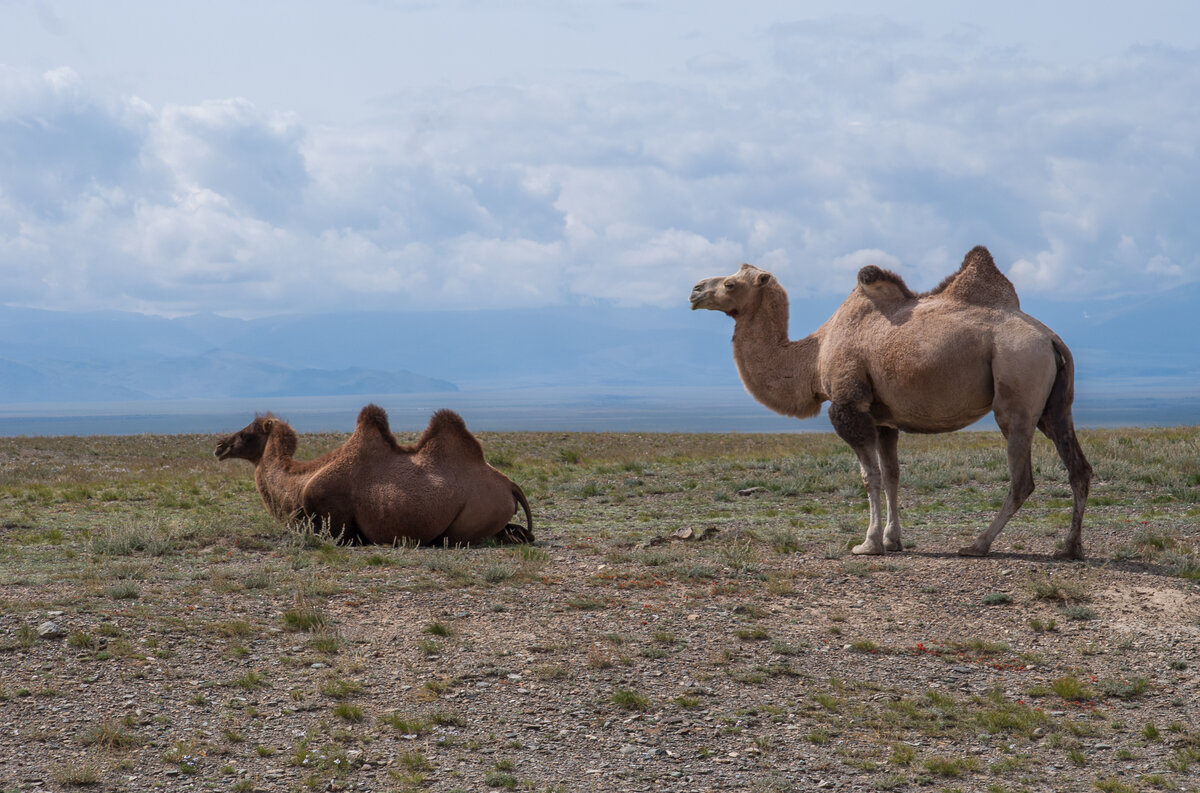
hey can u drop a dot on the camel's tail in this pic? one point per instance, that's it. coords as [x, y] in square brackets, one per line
[1062, 393]
[515, 532]
[1059, 426]
[519, 494]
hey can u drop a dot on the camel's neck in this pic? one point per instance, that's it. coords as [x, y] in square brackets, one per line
[278, 477]
[779, 373]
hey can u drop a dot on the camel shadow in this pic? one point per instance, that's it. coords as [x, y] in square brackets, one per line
[1047, 560]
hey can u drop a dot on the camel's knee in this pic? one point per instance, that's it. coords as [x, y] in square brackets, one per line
[852, 425]
[871, 478]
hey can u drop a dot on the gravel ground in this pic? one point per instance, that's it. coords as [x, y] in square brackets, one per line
[610, 656]
[734, 686]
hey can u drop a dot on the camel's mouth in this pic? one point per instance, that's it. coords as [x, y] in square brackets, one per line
[222, 451]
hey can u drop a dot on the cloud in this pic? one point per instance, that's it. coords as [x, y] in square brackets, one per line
[859, 140]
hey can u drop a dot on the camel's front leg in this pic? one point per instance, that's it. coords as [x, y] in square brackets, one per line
[889, 463]
[857, 429]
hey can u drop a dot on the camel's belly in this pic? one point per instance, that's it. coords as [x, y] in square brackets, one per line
[927, 422]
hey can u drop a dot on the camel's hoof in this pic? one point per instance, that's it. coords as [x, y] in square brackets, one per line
[972, 550]
[867, 549]
[893, 547]
[515, 534]
[1070, 554]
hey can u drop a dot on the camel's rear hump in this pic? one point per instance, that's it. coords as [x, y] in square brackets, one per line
[979, 281]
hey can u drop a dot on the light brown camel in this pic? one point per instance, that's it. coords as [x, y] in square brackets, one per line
[890, 360]
[371, 489]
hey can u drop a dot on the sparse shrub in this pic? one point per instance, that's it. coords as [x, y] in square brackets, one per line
[339, 688]
[1042, 626]
[1125, 689]
[304, 619]
[110, 735]
[1057, 589]
[951, 767]
[407, 725]
[125, 590]
[438, 629]
[630, 700]
[348, 712]
[1071, 689]
[75, 774]
[500, 779]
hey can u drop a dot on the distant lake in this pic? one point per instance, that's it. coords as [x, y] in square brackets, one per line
[575, 409]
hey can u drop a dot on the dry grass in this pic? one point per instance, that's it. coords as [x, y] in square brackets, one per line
[204, 642]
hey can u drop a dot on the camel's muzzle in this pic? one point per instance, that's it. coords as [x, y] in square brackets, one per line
[700, 293]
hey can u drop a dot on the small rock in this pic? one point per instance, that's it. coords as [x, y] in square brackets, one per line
[50, 630]
[751, 491]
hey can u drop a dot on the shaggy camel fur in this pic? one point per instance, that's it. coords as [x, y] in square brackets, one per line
[890, 359]
[371, 489]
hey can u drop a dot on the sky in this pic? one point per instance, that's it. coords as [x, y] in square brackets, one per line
[255, 158]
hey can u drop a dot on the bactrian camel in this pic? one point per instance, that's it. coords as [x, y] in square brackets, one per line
[890, 359]
[439, 491]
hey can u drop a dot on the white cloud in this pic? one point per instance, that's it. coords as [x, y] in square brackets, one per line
[865, 141]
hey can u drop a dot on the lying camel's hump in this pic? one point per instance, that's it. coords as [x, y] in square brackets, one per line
[447, 436]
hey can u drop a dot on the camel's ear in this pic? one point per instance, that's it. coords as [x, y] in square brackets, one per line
[762, 279]
[268, 425]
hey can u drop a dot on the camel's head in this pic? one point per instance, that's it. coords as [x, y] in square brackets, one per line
[249, 443]
[734, 294]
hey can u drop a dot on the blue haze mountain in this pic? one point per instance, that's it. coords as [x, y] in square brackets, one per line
[48, 356]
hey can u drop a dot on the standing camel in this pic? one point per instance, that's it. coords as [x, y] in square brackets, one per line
[890, 360]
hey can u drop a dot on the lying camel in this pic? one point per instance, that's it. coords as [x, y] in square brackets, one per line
[890, 359]
[371, 489]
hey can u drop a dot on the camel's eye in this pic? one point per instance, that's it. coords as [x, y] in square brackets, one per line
[730, 283]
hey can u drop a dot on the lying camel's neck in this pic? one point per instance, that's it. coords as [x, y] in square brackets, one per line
[779, 373]
[280, 478]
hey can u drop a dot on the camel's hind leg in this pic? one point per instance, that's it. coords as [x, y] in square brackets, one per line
[1018, 432]
[889, 463]
[1061, 431]
[858, 430]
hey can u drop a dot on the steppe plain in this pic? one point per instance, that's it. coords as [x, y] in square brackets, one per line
[689, 619]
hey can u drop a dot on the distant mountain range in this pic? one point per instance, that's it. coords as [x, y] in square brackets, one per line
[48, 356]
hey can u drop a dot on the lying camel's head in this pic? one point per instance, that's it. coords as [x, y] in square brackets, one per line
[249, 443]
[733, 294]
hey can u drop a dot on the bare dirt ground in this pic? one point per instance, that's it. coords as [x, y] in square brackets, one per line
[200, 646]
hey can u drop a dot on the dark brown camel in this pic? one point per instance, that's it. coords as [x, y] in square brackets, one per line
[371, 489]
